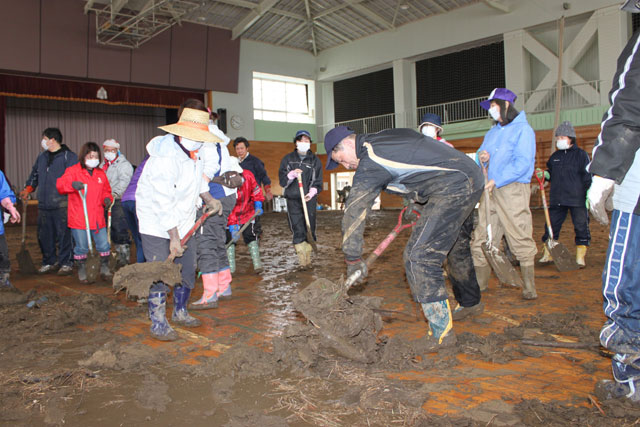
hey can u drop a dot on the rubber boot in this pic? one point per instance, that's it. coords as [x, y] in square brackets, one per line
[209, 294]
[180, 314]
[302, 257]
[483, 274]
[581, 251]
[625, 392]
[254, 250]
[308, 249]
[224, 286]
[546, 255]
[5, 285]
[441, 333]
[529, 288]
[105, 272]
[231, 255]
[82, 270]
[123, 255]
[160, 328]
[461, 312]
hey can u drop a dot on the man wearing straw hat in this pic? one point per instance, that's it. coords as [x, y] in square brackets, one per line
[168, 195]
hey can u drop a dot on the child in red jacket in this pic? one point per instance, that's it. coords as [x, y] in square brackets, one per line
[98, 195]
[249, 201]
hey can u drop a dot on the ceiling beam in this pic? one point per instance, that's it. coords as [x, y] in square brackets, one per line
[88, 6]
[333, 32]
[240, 3]
[291, 33]
[251, 18]
[334, 9]
[498, 5]
[288, 14]
[371, 15]
[310, 21]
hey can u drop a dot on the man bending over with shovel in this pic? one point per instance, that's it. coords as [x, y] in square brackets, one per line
[444, 182]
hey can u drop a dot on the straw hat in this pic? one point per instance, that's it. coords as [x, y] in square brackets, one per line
[193, 125]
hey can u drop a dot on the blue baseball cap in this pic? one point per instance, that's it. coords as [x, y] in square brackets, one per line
[431, 119]
[499, 93]
[302, 133]
[333, 138]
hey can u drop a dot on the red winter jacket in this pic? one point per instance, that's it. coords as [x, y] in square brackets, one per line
[98, 189]
[247, 194]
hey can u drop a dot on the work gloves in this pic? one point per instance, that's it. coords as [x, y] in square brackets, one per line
[311, 194]
[77, 185]
[597, 196]
[230, 179]
[356, 266]
[24, 194]
[175, 247]
[293, 174]
[107, 201]
[234, 230]
[258, 208]
[542, 175]
[213, 206]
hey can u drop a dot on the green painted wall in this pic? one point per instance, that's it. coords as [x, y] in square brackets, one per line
[278, 131]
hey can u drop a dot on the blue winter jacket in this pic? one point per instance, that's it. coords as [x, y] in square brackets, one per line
[46, 171]
[512, 150]
[5, 191]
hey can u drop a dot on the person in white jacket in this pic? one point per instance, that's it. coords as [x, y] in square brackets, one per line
[170, 190]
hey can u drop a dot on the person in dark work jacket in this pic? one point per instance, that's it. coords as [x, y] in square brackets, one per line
[567, 173]
[301, 162]
[445, 184]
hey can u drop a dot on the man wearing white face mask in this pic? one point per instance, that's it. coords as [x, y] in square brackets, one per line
[119, 172]
[303, 163]
[567, 173]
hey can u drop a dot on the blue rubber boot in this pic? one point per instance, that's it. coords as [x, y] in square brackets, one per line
[180, 314]
[440, 322]
[160, 328]
[5, 285]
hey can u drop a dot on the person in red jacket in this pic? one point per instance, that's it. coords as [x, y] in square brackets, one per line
[249, 201]
[98, 195]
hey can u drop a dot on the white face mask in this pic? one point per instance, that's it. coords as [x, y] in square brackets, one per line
[303, 147]
[91, 163]
[430, 131]
[110, 156]
[563, 144]
[494, 112]
[190, 145]
[44, 144]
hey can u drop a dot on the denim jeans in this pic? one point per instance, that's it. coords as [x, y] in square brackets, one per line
[53, 234]
[81, 246]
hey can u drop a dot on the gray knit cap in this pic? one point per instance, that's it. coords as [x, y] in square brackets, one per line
[566, 129]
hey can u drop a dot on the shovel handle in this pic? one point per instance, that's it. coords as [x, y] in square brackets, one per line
[487, 206]
[312, 242]
[235, 237]
[545, 206]
[24, 222]
[192, 230]
[83, 196]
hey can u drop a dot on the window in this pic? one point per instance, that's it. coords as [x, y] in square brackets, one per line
[283, 99]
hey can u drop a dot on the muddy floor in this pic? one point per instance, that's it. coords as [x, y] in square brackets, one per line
[74, 354]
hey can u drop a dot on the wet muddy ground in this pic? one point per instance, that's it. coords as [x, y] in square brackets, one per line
[82, 355]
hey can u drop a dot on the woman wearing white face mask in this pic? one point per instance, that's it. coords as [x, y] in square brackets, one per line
[567, 173]
[304, 163]
[98, 195]
[508, 150]
[119, 172]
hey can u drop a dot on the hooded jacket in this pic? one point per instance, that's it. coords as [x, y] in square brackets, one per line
[248, 193]
[119, 174]
[44, 174]
[311, 173]
[569, 177]
[98, 189]
[169, 188]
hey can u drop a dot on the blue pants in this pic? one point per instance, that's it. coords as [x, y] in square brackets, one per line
[53, 234]
[81, 245]
[580, 218]
[621, 291]
[129, 209]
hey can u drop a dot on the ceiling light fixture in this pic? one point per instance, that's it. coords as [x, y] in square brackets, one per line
[404, 6]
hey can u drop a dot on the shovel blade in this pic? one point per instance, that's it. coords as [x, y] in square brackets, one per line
[562, 258]
[93, 268]
[501, 265]
[25, 263]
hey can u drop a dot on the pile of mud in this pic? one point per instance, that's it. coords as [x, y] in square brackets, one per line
[138, 278]
[607, 413]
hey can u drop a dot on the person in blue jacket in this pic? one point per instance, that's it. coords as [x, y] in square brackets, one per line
[7, 199]
[567, 173]
[508, 151]
[53, 233]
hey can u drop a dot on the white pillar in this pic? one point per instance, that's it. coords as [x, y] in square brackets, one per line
[324, 106]
[404, 93]
[516, 66]
[614, 30]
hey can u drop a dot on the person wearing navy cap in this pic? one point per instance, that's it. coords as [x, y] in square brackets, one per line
[443, 186]
[431, 126]
[303, 163]
[508, 152]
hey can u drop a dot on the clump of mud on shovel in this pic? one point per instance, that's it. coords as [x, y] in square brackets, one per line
[138, 278]
[347, 325]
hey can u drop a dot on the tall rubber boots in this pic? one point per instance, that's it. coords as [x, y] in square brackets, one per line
[581, 251]
[180, 314]
[546, 255]
[254, 251]
[440, 323]
[231, 256]
[160, 328]
[483, 274]
[82, 270]
[307, 252]
[224, 284]
[210, 293]
[528, 277]
[302, 256]
[123, 253]
[105, 272]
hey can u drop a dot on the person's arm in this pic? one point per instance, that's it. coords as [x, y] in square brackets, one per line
[63, 184]
[254, 188]
[522, 158]
[120, 183]
[107, 197]
[316, 181]
[283, 172]
[584, 173]
[32, 182]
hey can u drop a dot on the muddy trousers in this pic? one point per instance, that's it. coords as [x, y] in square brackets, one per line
[5, 264]
[579, 217]
[460, 269]
[211, 238]
[297, 223]
[621, 291]
[431, 240]
[157, 249]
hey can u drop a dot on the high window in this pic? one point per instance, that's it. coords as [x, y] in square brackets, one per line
[283, 99]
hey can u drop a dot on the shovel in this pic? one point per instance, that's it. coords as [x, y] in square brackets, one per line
[310, 238]
[562, 258]
[25, 263]
[236, 236]
[497, 260]
[93, 262]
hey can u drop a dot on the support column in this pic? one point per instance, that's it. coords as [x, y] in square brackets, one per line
[404, 93]
[516, 66]
[326, 117]
[614, 30]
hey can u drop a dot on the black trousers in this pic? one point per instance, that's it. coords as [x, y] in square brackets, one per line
[297, 223]
[119, 226]
[251, 233]
[580, 218]
[460, 269]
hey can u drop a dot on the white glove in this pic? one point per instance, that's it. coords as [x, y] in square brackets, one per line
[597, 196]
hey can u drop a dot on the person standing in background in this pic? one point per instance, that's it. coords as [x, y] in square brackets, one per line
[7, 199]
